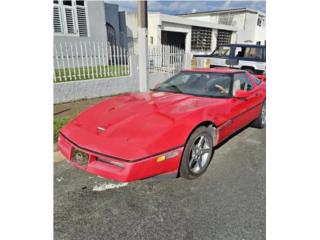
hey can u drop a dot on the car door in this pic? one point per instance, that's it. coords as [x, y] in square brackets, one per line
[243, 111]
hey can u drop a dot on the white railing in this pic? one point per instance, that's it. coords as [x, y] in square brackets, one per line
[165, 58]
[80, 60]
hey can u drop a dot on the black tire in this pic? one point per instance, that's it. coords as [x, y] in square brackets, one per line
[260, 122]
[195, 157]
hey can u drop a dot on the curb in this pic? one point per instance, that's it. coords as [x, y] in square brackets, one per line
[57, 157]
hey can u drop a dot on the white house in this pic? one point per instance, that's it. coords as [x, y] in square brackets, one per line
[250, 24]
[194, 36]
[85, 20]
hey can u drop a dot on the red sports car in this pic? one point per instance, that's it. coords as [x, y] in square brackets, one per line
[169, 131]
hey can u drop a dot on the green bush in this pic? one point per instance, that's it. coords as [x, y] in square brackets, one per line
[58, 123]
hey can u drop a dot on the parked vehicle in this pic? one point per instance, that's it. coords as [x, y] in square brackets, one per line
[171, 130]
[240, 56]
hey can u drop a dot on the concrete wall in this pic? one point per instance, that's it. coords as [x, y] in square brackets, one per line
[75, 90]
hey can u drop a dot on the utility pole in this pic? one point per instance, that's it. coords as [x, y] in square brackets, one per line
[143, 44]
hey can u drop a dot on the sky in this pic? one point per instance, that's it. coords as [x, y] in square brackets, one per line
[178, 7]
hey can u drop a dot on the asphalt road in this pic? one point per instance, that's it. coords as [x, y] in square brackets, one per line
[227, 202]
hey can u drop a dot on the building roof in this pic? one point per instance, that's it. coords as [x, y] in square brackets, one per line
[223, 11]
[191, 22]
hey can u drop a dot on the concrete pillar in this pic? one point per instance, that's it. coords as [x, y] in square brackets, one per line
[188, 42]
[214, 39]
[143, 45]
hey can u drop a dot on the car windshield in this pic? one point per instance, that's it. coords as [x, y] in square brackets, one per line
[197, 83]
[222, 51]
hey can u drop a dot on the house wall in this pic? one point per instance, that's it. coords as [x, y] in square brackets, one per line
[112, 17]
[206, 18]
[123, 30]
[154, 29]
[238, 18]
[156, 25]
[247, 34]
[96, 26]
[261, 33]
[132, 34]
[96, 34]
[246, 23]
[172, 27]
[158, 22]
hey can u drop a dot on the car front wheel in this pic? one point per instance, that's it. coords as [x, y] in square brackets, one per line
[197, 153]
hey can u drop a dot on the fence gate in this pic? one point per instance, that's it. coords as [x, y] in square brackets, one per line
[165, 58]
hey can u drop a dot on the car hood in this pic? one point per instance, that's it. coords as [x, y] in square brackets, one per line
[129, 126]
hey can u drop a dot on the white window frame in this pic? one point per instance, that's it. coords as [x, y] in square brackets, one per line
[74, 18]
[85, 7]
[64, 27]
[61, 20]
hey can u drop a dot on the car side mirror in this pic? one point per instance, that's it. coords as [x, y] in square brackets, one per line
[241, 94]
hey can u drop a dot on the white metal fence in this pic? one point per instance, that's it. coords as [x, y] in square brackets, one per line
[165, 58]
[80, 60]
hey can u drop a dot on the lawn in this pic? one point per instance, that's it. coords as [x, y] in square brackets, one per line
[85, 73]
[58, 123]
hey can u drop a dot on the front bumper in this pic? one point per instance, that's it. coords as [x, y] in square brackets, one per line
[122, 170]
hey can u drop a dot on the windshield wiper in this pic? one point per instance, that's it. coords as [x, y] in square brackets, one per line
[171, 88]
[176, 88]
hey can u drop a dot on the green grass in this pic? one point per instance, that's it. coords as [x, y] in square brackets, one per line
[85, 73]
[58, 123]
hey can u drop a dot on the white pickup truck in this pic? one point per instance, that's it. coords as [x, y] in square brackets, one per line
[242, 56]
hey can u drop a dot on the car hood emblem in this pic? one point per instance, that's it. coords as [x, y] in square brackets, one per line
[101, 129]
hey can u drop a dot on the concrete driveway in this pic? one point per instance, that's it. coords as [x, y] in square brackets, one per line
[227, 202]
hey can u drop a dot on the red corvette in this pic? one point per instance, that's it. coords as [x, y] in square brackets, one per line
[169, 131]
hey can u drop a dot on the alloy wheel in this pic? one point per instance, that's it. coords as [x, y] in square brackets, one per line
[199, 154]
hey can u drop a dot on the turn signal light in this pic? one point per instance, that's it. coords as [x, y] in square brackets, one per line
[160, 159]
[167, 156]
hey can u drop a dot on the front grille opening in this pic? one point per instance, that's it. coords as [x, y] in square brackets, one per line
[80, 157]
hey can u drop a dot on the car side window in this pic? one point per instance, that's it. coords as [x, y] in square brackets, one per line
[239, 51]
[222, 51]
[254, 53]
[241, 82]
